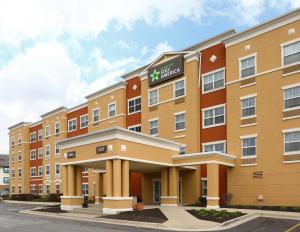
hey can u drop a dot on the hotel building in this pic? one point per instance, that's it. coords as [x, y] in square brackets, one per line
[219, 120]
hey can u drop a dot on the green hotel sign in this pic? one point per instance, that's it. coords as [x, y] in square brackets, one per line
[165, 71]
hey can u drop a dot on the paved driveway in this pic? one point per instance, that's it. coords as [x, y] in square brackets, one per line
[12, 221]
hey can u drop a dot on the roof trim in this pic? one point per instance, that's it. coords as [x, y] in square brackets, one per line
[78, 107]
[19, 125]
[36, 123]
[55, 111]
[264, 27]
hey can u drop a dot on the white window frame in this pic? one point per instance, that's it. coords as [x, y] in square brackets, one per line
[19, 155]
[242, 146]
[282, 52]
[47, 175]
[255, 66]
[108, 109]
[180, 113]
[55, 128]
[57, 175]
[182, 147]
[13, 173]
[30, 154]
[31, 169]
[244, 98]
[12, 141]
[40, 188]
[19, 188]
[47, 189]
[212, 73]
[72, 120]
[202, 180]
[40, 135]
[174, 88]
[47, 130]
[85, 189]
[13, 189]
[47, 157]
[20, 139]
[284, 88]
[86, 122]
[133, 99]
[32, 137]
[19, 169]
[212, 108]
[39, 169]
[149, 91]
[151, 120]
[135, 126]
[40, 154]
[57, 154]
[214, 143]
[93, 114]
[289, 131]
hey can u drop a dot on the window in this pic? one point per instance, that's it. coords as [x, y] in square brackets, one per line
[13, 189]
[84, 121]
[179, 88]
[47, 188]
[182, 150]
[179, 121]
[72, 125]
[47, 152]
[47, 131]
[213, 81]
[13, 173]
[136, 128]
[111, 110]
[134, 105]
[204, 187]
[96, 115]
[248, 107]
[19, 139]
[40, 171]
[85, 189]
[32, 154]
[40, 153]
[32, 189]
[19, 172]
[57, 150]
[6, 170]
[247, 67]
[57, 188]
[292, 141]
[13, 158]
[32, 172]
[249, 146]
[32, 137]
[40, 135]
[19, 156]
[57, 128]
[292, 97]
[218, 147]
[153, 97]
[291, 53]
[214, 117]
[20, 189]
[57, 169]
[5, 180]
[12, 141]
[40, 189]
[154, 127]
[85, 170]
[47, 171]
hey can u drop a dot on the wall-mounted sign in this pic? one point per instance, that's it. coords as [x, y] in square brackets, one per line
[165, 71]
[101, 149]
[71, 154]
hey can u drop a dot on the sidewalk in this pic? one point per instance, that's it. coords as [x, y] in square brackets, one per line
[31, 202]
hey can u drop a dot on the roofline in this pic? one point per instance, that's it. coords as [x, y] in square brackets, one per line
[57, 110]
[269, 25]
[18, 125]
[78, 107]
[36, 123]
[106, 90]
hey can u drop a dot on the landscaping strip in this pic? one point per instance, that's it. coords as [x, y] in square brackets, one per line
[51, 209]
[214, 215]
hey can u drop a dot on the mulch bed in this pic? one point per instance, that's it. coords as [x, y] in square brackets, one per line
[147, 215]
[51, 209]
[272, 208]
[214, 215]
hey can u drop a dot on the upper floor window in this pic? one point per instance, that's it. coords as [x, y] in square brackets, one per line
[96, 115]
[40, 171]
[247, 67]
[248, 107]
[134, 105]
[6, 170]
[292, 141]
[154, 127]
[32, 172]
[182, 150]
[213, 81]
[19, 156]
[214, 116]
[19, 139]
[57, 127]
[47, 152]
[153, 97]
[47, 131]
[179, 88]
[5, 180]
[111, 109]
[12, 142]
[40, 135]
[57, 150]
[32, 137]
[13, 173]
[19, 172]
[57, 169]
[40, 153]
[292, 97]
[85, 170]
[47, 170]
[249, 146]
[32, 154]
[136, 128]
[72, 125]
[216, 146]
[291, 53]
[84, 121]
[179, 121]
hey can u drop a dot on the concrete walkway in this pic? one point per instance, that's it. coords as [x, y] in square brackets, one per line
[31, 202]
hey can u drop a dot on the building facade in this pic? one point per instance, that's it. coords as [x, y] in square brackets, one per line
[218, 120]
[4, 175]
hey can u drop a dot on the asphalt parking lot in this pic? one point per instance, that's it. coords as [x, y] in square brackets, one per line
[13, 221]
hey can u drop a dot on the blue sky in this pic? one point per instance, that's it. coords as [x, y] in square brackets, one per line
[53, 53]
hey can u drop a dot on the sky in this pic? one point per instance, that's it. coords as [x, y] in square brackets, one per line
[55, 52]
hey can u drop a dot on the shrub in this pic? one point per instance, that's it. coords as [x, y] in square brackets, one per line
[22, 197]
[203, 201]
[52, 197]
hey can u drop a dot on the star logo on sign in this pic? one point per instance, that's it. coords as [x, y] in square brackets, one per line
[154, 75]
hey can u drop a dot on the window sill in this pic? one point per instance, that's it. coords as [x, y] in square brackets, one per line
[211, 91]
[248, 117]
[247, 125]
[291, 108]
[292, 117]
[180, 130]
[292, 153]
[211, 126]
[249, 157]
[248, 165]
[136, 112]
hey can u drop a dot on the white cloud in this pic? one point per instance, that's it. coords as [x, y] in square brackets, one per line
[159, 49]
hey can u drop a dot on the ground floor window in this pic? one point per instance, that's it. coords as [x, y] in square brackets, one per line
[20, 189]
[40, 189]
[57, 188]
[13, 189]
[216, 146]
[204, 187]
[32, 189]
[136, 128]
[47, 188]
[85, 189]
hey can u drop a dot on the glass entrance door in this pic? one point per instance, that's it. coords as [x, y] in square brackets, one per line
[156, 191]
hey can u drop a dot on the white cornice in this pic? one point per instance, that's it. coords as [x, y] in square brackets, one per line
[109, 89]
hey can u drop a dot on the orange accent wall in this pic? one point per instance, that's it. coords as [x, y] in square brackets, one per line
[133, 119]
[136, 184]
[76, 114]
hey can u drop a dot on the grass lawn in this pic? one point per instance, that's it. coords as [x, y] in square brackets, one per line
[215, 215]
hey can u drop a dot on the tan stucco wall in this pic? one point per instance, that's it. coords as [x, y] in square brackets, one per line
[190, 185]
